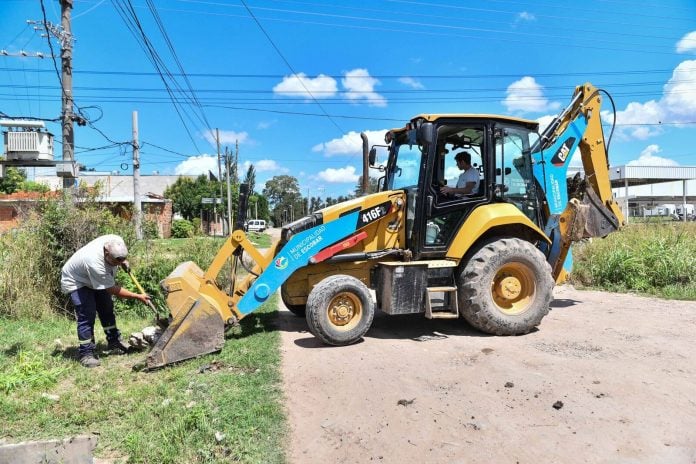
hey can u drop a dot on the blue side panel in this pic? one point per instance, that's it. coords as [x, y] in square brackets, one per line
[295, 254]
[552, 173]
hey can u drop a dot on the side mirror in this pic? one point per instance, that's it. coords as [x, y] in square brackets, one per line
[372, 156]
[426, 133]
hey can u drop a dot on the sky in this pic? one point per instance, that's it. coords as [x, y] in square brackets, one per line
[295, 82]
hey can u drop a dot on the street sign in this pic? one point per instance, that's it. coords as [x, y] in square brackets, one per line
[210, 201]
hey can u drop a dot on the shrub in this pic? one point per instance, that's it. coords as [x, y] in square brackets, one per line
[658, 258]
[33, 254]
[182, 228]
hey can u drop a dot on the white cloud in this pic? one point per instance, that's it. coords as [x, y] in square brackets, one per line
[302, 86]
[525, 16]
[677, 105]
[349, 144]
[196, 165]
[411, 82]
[680, 92]
[227, 137]
[687, 43]
[527, 95]
[647, 158]
[544, 121]
[629, 120]
[360, 85]
[265, 165]
[339, 176]
[265, 124]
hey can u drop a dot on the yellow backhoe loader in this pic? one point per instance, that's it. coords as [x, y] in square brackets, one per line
[491, 255]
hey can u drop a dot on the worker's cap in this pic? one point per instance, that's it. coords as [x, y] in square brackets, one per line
[117, 249]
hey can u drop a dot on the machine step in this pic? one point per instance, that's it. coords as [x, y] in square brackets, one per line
[448, 309]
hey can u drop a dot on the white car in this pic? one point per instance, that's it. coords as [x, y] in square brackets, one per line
[256, 225]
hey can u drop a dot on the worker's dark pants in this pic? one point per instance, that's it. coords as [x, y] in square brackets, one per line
[88, 303]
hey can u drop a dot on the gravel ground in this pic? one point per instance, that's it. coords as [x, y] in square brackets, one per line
[607, 378]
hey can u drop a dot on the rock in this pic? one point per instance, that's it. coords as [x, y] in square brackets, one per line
[558, 405]
[219, 436]
[509, 384]
[151, 334]
[50, 397]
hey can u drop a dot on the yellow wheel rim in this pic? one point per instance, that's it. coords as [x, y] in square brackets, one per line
[345, 311]
[513, 288]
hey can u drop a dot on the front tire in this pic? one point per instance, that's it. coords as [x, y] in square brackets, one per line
[296, 309]
[340, 310]
[506, 287]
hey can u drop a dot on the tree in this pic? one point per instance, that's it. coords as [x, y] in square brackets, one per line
[250, 178]
[283, 194]
[186, 195]
[372, 186]
[13, 180]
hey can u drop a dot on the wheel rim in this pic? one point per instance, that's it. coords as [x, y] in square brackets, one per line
[513, 288]
[345, 311]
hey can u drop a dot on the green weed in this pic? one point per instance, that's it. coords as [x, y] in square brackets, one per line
[657, 259]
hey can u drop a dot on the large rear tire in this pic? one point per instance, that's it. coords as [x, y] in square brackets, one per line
[340, 310]
[506, 287]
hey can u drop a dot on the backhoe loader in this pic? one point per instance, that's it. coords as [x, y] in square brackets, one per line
[491, 256]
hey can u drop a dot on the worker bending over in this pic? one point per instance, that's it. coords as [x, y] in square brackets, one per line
[89, 278]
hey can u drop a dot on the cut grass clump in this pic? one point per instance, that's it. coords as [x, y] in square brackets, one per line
[657, 259]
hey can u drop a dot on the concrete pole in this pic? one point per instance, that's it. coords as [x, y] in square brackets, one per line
[626, 198]
[217, 140]
[229, 193]
[684, 198]
[67, 97]
[137, 205]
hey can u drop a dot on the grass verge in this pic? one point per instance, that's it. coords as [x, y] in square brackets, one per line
[225, 407]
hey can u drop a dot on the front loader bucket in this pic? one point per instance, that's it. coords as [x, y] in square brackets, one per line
[193, 332]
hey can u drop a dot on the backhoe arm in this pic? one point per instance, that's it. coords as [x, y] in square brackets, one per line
[586, 208]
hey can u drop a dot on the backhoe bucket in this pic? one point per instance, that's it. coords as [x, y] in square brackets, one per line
[196, 328]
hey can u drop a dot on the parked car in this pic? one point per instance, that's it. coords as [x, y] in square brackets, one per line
[255, 225]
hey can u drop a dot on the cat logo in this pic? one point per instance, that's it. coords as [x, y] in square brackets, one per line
[561, 155]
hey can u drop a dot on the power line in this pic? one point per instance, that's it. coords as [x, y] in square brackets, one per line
[287, 63]
[127, 12]
[378, 76]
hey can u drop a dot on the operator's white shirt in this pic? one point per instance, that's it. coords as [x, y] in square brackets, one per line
[88, 268]
[470, 175]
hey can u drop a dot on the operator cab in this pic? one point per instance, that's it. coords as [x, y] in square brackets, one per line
[422, 162]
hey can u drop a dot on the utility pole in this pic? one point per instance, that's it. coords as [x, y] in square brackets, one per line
[137, 206]
[217, 140]
[229, 193]
[66, 66]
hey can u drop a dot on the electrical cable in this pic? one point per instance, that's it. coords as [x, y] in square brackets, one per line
[287, 63]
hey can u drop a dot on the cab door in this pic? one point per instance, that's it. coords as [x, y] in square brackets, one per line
[444, 214]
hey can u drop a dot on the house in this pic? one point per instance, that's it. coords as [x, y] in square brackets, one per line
[116, 194]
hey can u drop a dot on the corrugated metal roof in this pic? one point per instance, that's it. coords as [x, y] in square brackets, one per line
[637, 175]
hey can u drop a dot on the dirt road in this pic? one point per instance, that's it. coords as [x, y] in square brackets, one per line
[619, 369]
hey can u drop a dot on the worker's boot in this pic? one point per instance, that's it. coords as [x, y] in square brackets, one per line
[89, 360]
[117, 347]
[114, 343]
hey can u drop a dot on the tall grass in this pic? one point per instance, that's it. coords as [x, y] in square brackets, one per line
[33, 254]
[657, 259]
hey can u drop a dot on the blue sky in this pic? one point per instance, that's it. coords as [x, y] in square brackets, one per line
[296, 81]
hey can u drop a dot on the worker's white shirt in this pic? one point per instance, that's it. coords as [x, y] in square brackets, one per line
[470, 175]
[88, 267]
